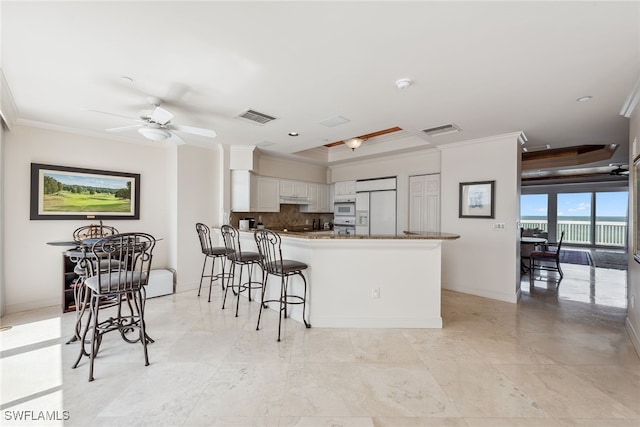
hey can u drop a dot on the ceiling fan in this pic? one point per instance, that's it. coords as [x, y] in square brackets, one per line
[156, 125]
[619, 170]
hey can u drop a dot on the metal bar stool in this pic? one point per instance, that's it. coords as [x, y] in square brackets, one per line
[211, 252]
[127, 260]
[240, 258]
[269, 248]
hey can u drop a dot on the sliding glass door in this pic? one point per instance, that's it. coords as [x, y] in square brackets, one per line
[533, 211]
[575, 217]
[611, 218]
[588, 218]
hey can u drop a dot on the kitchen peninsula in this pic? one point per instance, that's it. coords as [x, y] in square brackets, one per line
[366, 281]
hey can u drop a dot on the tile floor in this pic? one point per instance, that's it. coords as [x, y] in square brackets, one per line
[559, 358]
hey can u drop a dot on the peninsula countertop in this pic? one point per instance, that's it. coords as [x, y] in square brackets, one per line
[328, 234]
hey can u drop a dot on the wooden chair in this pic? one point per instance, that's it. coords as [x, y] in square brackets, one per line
[547, 259]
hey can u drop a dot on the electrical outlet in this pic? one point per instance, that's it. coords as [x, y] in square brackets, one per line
[375, 293]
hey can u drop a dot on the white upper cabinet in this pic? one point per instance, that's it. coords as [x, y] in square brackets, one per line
[294, 189]
[254, 193]
[266, 198]
[344, 190]
[318, 198]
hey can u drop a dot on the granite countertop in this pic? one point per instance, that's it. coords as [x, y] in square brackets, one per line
[328, 234]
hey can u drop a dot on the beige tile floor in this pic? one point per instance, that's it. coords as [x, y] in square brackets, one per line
[561, 357]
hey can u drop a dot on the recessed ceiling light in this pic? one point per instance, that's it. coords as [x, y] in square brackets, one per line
[293, 134]
[403, 83]
[584, 98]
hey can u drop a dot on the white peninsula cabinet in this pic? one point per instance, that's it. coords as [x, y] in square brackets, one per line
[254, 193]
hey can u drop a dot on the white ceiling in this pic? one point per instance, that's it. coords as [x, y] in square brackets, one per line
[489, 67]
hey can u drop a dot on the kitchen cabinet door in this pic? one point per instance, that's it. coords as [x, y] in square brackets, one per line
[266, 196]
[254, 193]
[345, 188]
[295, 189]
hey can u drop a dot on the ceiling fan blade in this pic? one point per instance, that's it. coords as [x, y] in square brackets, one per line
[195, 131]
[176, 139]
[113, 114]
[161, 116]
[124, 128]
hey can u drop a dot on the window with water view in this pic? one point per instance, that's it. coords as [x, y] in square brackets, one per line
[587, 218]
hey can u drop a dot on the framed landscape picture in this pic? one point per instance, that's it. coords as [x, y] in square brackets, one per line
[477, 199]
[62, 192]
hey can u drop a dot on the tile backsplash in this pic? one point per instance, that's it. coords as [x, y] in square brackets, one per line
[288, 217]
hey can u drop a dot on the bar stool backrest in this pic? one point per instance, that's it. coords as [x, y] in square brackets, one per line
[270, 251]
[204, 234]
[124, 260]
[231, 238]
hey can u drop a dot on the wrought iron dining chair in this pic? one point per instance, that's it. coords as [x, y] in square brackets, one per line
[211, 252]
[242, 259]
[546, 259]
[81, 269]
[270, 250]
[127, 259]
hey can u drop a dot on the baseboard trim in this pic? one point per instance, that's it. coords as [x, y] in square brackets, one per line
[633, 335]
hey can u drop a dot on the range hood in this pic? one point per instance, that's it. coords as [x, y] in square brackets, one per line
[294, 200]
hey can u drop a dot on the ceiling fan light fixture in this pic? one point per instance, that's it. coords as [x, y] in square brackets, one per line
[154, 134]
[354, 143]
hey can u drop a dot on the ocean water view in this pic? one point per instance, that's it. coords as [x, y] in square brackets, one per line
[564, 218]
[609, 230]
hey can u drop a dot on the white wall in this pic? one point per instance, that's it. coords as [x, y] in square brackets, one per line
[633, 272]
[197, 186]
[33, 269]
[289, 169]
[2, 269]
[401, 165]
[484, 261]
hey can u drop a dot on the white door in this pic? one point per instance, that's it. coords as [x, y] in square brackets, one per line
[424, 203]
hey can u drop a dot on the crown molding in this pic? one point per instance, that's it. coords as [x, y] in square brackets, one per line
[8, 109]
[632, 100]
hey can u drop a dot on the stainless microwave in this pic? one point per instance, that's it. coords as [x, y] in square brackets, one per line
[344, 209]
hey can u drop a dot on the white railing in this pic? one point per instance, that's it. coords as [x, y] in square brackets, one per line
[608, 233]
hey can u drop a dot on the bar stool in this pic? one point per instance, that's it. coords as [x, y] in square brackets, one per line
[79, 256]
[127, 258]
[241, 258]
[211, 252]
[269, 248]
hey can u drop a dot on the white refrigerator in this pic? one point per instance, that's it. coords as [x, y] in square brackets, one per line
[376, 208]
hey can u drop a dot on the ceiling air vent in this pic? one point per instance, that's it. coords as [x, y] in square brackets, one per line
[442, 130]
[256, 117]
